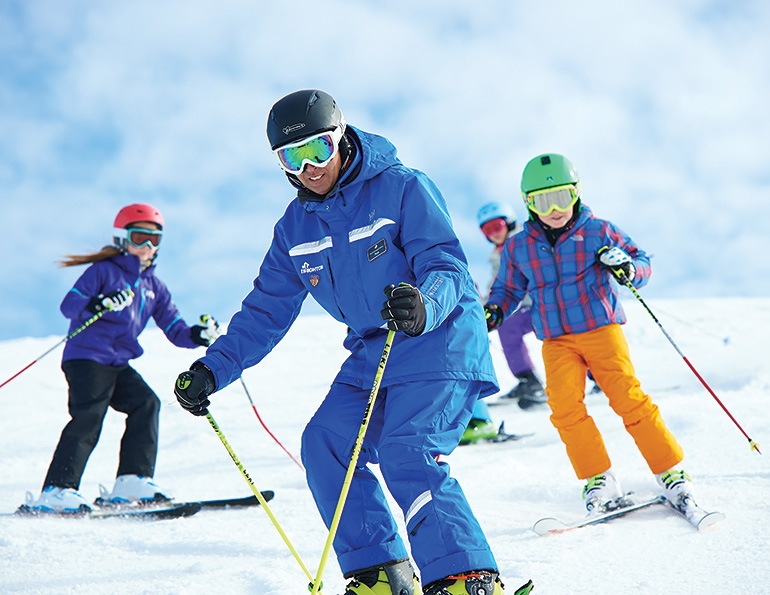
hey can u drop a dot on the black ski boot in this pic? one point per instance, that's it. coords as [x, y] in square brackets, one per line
[529, 391]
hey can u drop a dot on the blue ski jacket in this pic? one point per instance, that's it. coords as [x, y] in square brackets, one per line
[112, 340]
[571, 293]
[382, 224]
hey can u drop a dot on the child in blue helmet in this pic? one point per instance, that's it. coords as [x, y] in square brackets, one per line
[497, 222]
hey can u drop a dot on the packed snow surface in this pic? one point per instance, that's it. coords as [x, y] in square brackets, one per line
[510, 485]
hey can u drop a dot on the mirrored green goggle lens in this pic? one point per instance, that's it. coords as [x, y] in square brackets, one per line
[316, 151]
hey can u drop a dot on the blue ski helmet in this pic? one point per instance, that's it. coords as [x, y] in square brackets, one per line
[495, 210]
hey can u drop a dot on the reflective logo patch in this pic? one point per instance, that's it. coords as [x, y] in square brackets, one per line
[306, 268]
[377, 250]
[184, 381]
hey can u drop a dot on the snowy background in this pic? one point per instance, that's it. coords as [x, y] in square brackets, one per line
[662, 106]
[510, 485]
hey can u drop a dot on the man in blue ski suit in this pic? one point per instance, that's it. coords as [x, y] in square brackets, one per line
[362, 223]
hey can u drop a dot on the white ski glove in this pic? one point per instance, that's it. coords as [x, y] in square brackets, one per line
[114, 301]
[617, 261]
[205, 334]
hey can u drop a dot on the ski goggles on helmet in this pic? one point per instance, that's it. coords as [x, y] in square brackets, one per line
[139, 237]
[559, 198]
[316, 150]
[494, 227]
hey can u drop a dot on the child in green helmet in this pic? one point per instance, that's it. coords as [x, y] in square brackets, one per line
[566, 260]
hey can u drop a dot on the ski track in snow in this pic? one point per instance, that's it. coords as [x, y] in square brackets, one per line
[510, 485]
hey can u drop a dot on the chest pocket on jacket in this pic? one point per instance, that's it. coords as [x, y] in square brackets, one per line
[312, 261]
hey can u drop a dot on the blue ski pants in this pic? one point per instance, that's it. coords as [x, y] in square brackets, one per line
[411, 424]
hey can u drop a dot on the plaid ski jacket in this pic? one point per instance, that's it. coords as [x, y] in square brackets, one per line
[571, 292]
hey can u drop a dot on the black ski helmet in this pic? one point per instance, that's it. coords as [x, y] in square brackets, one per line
[302, 114]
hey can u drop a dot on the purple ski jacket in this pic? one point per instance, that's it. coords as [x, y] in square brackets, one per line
[112, 340]
[571, 293]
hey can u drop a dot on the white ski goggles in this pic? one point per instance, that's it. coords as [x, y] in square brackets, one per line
[559, 198]
[317, 150]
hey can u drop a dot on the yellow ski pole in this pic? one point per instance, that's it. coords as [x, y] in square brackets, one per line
[353, 460]
[259, 496]
[206, 321]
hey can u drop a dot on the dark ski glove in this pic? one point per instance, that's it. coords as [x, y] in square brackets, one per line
[114, 301]
[494, 315]
[404, 309]
[617, 261]
[193, 387]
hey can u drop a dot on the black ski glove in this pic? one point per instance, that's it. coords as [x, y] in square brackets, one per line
[404, 309]
[617, 261]
[193, 387]
[494, 315]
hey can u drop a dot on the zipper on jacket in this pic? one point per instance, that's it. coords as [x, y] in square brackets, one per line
[557, 293]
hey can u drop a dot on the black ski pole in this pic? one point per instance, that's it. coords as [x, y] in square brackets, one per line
[625, 281]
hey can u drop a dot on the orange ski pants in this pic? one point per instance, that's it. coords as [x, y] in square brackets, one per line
[605, 352]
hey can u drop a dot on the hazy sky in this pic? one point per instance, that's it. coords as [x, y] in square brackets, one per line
[661, 106]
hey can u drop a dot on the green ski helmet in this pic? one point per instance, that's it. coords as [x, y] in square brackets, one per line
[548, 171]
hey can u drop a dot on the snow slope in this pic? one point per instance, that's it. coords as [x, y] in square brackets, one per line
[510, 485]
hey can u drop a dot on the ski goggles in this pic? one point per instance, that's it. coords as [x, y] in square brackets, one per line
[140, 237]
[316, 150]
[494, 227]
[559, 198]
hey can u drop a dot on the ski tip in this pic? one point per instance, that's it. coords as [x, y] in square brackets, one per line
[549, 526]
[710, 520]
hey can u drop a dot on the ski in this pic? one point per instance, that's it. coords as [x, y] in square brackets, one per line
[103, 504]
[550, 525]
[503, 436]
[170, 509]
[236, 502]
[698, 517]
[155, 512]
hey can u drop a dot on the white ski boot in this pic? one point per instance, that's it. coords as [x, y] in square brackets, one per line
[133, 489]
[602, 493]
[61, 501]
[676, 484]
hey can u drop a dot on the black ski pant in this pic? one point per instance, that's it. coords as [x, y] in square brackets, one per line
[92, 389]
